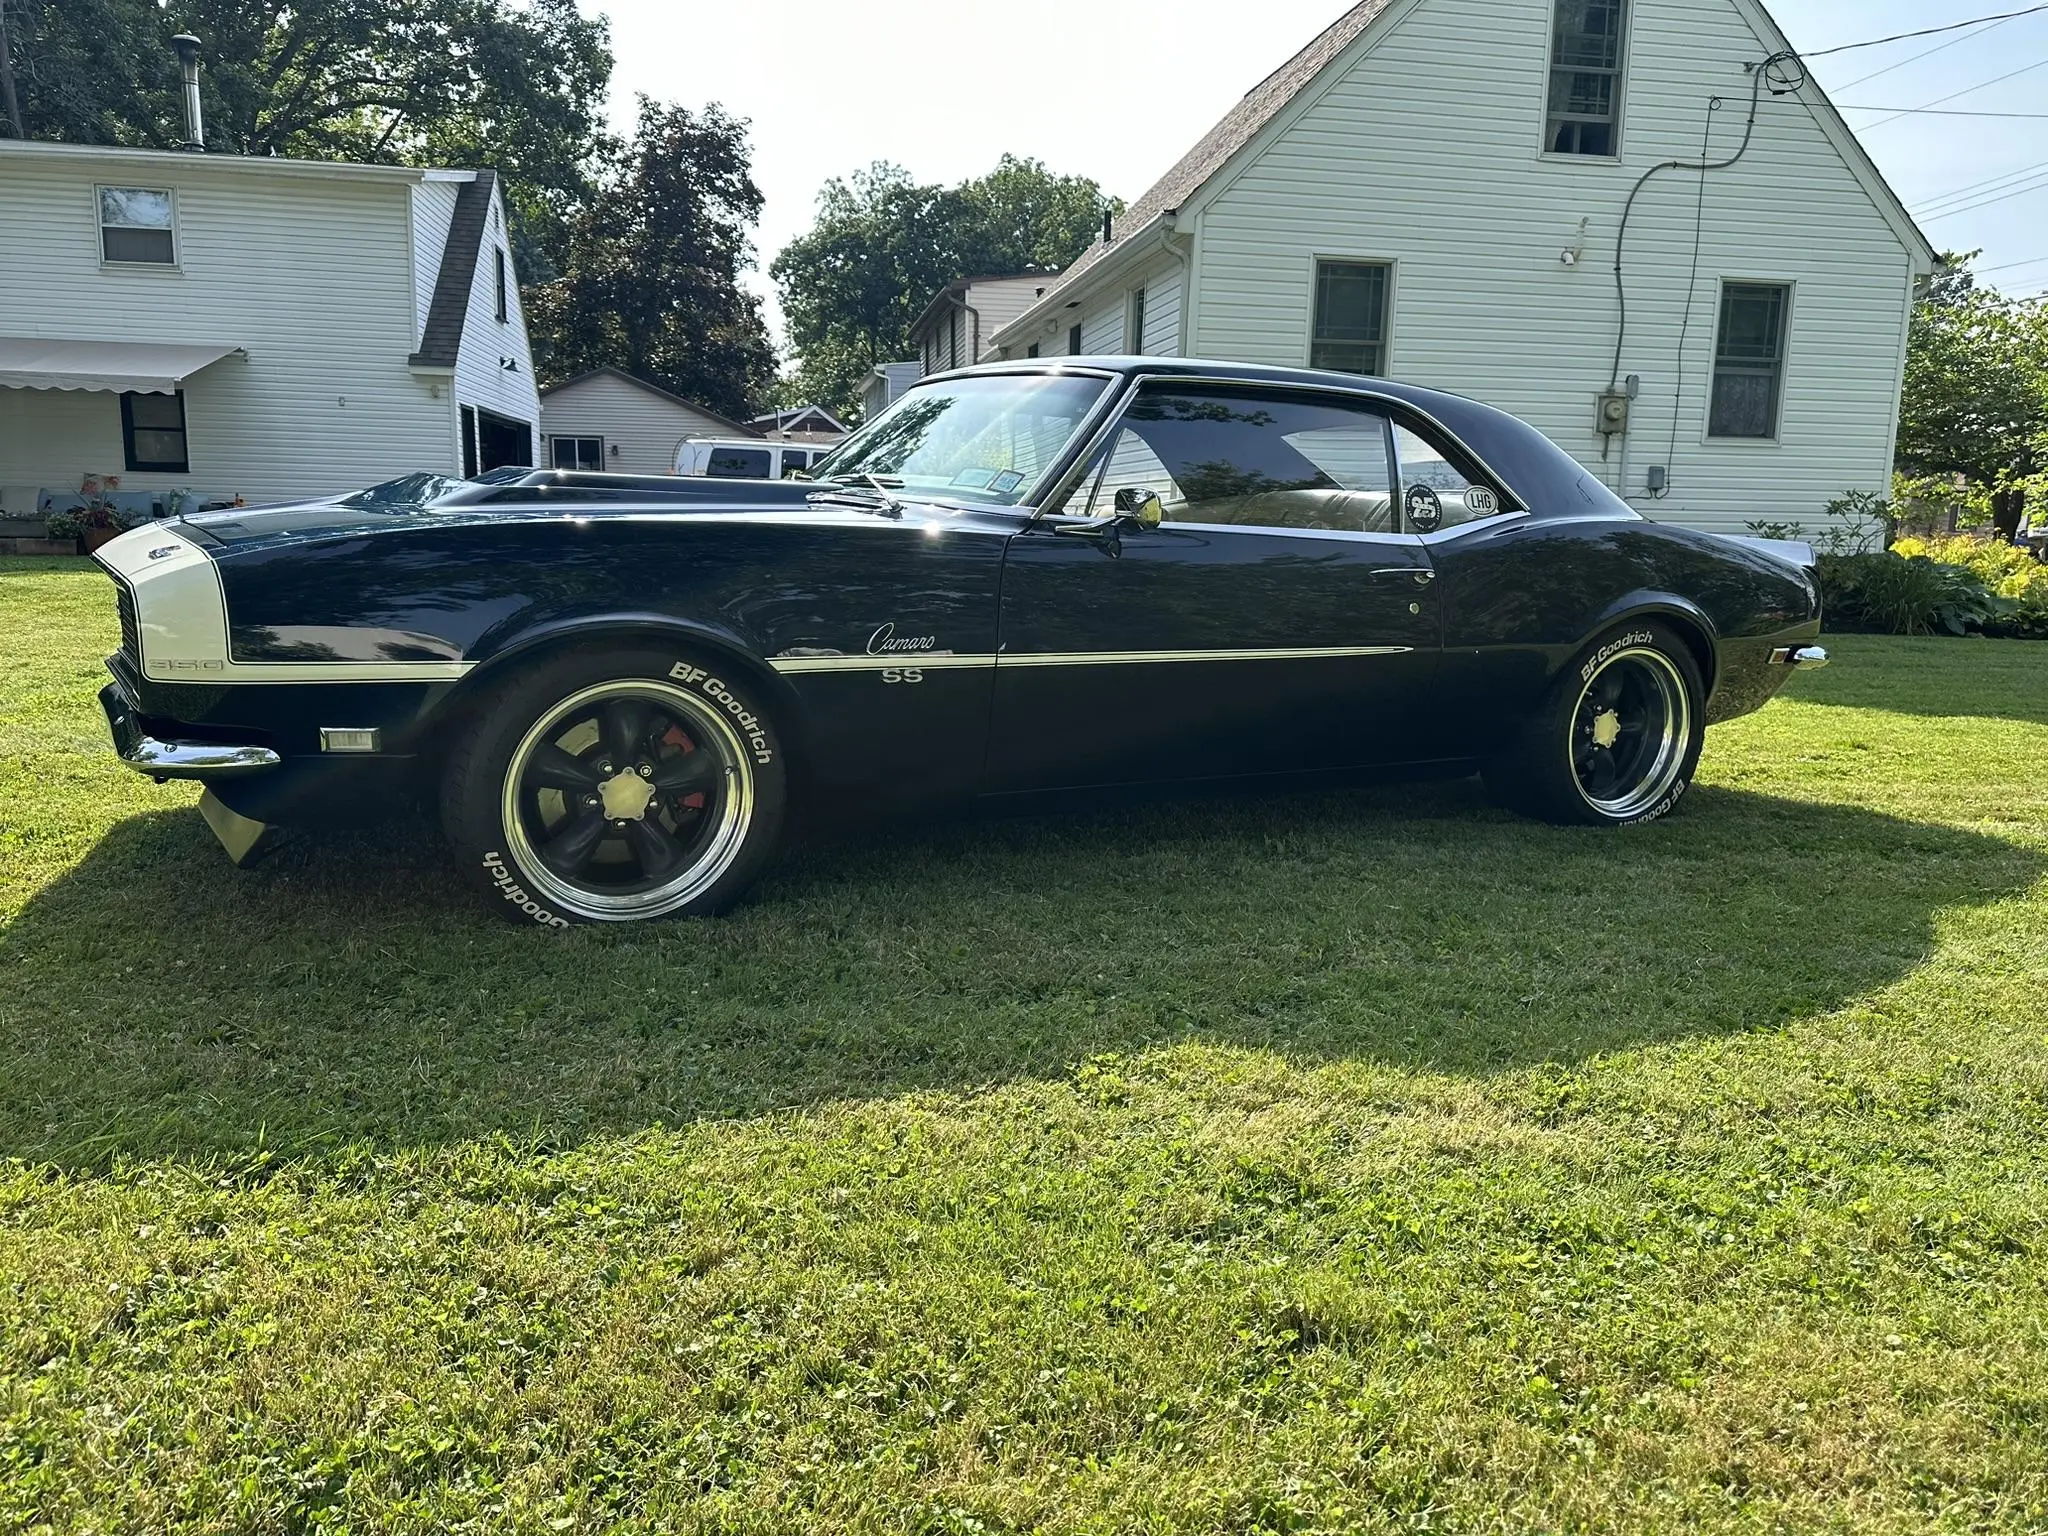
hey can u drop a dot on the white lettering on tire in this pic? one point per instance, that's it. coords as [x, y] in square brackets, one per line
[750, 724]
[1640, 637]
[512, 891]
[1661, 808]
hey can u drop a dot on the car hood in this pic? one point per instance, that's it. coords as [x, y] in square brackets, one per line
[460, 503]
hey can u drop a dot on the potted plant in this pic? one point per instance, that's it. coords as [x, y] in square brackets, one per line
[95, 520]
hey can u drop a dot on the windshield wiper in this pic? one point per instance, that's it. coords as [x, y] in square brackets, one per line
[875, 484]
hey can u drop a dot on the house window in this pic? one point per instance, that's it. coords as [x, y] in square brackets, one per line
[153, 432]
[469, 470]
[1749, 360]
[136, 227]
[1585, 78]
[577, 452]
[1351, 317]
[1032, 350]
[953, 339]
[499, 253]
[1138, 319]
[1073, 341]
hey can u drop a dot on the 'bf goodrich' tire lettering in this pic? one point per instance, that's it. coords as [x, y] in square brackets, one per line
[609, 786]
[1617, 740]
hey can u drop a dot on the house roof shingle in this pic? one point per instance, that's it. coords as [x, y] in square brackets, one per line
[442, 337]
[1258, 107]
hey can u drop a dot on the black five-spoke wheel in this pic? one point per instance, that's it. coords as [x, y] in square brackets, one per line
[1629, 732]
[626, 797]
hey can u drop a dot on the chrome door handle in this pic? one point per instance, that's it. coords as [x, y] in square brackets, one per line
[1421, 574]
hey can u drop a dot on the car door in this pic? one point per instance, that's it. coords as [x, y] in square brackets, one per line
[1278, 619]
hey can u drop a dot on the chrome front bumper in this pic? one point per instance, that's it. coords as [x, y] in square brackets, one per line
[1804, 658]
[176, 759]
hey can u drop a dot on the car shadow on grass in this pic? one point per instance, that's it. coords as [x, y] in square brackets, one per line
[156, 1002]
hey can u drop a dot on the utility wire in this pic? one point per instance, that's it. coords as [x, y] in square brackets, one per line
[1900, 37]
[1949, 213]
[1844, 106]
[1952, 95]
[1913, 58]
[1975, 188]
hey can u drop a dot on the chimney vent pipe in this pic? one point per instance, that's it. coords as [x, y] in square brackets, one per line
[1108, 226]
[188, 60]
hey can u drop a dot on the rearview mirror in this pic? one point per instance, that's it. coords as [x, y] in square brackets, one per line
[1142, 507]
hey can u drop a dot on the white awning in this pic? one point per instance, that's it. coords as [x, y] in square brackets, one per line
[146, 367]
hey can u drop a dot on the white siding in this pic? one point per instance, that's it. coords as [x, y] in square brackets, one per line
[998, 303]
[433, 207]
[1162, 312]
[480, 377]
[1483, 305]
[310, 273]
[1102, 332]
[644, 427]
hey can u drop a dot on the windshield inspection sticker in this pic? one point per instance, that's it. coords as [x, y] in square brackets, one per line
[1006, 482]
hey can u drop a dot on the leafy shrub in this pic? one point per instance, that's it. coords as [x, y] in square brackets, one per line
[2012, 574]
[1907, 595]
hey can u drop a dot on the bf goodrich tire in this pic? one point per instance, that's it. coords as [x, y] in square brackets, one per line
[609, 786]
[1617, 740]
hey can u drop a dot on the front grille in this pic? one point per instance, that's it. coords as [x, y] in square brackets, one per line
[131, 636]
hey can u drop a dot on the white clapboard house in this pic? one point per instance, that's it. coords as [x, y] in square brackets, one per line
[263, 328]
[1434, 191]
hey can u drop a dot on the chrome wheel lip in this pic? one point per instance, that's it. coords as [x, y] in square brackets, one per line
[1667, 759]
[736, 810]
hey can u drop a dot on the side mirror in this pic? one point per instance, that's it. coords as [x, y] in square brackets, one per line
[1142, 507]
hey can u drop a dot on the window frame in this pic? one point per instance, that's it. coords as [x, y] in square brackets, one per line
[99, 232]
[1074, 340]
[1621, 78]
[1391, 267]
[576, 437]
[1790, 288]
[504, 306]
[1051, 504]
[1134, 320]
[138, 465]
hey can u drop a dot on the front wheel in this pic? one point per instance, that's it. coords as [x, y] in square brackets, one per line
[614, 787]
[1618, 739]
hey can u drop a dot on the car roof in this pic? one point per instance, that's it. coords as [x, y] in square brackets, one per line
[1546, 480]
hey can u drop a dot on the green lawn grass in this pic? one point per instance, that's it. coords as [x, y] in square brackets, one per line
[1337, 1161]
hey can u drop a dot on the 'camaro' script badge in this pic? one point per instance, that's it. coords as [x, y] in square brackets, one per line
[886, 642]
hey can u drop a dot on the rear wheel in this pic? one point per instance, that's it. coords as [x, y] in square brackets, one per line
[1617, 741]
[610, 787]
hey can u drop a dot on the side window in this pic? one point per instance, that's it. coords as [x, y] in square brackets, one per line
[1252, 458]
[1435, 492]
[738, 463]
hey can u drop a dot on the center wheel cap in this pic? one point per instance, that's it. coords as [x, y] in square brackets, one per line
[1606, 728]
[625, 796]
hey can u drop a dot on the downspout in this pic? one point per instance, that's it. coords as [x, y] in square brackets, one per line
[1182, 245]
[973, 328]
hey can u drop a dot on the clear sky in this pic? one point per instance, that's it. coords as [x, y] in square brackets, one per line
[1119, 89]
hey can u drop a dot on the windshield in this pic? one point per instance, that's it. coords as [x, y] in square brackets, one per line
[974, 439]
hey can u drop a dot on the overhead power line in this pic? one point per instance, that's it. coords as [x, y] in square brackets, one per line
[1844, 106]
[1952, 95]
[1986, 202]
[1979, 188]
[1900, 37]
[1924, 53]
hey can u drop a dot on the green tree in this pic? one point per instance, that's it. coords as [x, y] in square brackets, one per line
[650, 278]
[1976, 390]
[518, 87]
[883, 244]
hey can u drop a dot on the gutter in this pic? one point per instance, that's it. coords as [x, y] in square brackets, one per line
[1148, 241]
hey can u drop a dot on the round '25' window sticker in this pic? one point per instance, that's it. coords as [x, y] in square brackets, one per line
[1425, 509]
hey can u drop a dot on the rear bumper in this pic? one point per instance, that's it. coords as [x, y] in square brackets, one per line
[208, 760]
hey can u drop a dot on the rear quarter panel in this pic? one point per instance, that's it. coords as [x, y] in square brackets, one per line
[1520, 600]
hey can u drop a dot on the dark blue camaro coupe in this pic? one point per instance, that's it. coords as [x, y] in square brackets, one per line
[1025, 578]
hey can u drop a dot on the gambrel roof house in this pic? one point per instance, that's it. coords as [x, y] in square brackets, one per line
[264, 328]
[1435, 192]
